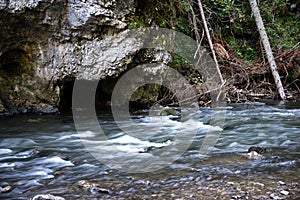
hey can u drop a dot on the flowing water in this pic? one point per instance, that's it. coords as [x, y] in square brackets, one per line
[44, 154]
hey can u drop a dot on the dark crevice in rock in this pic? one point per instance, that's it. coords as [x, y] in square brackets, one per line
[104, 91]
[15, 62]
[65, 94]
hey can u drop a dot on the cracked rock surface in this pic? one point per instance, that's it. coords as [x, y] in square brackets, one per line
[44, 41]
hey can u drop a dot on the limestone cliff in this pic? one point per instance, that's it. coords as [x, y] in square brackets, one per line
[44, 42]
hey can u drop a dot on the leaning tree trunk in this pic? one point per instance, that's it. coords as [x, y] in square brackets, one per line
[209, 41]
[266, 44]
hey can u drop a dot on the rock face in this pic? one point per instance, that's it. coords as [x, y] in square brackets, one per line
[44, 42]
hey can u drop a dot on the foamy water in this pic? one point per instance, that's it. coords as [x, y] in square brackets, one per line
[45, 154]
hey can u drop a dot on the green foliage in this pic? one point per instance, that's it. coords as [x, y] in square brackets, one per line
[171, 14]
[243, 48]
[163, 13]
[136, 23]
[232, 21]
[229, 20]
[184, 26]
[186, 68]
[282, 26]
[180, 63]
[224, 7]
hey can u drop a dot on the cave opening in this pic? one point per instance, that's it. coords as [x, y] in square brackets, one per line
[104, 91]
[102, 96]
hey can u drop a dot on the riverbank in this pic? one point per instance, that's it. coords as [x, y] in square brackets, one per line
[230, 187]
[254, 82]
[194, 188]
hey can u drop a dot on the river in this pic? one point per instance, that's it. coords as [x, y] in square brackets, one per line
[44, 154]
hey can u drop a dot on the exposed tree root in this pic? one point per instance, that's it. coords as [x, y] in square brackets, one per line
[254, 82]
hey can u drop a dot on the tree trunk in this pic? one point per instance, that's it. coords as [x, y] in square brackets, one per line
[267, 47]
[209, 41]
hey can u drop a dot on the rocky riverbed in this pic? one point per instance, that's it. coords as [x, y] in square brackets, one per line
[186, 187]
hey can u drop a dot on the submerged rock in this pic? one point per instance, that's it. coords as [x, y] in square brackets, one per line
[259, 150]
[168, 111]
[45, 109]
[253, 155]
[92, 187]
[5, 189]
[274, 196]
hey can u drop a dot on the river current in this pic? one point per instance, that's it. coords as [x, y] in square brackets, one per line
[44, 154]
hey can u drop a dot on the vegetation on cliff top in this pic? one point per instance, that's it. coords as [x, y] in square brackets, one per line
[233, 27]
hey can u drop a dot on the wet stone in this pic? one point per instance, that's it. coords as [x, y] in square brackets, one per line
[236, 197]
[260, 197]
[284, 192]
[5, 189]
[259, 150]
[99, 190]
[253, 155]
[230, 183]
[275, 196]
[92, 187]
[47, 197]
[259, 184]
[281, 183]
